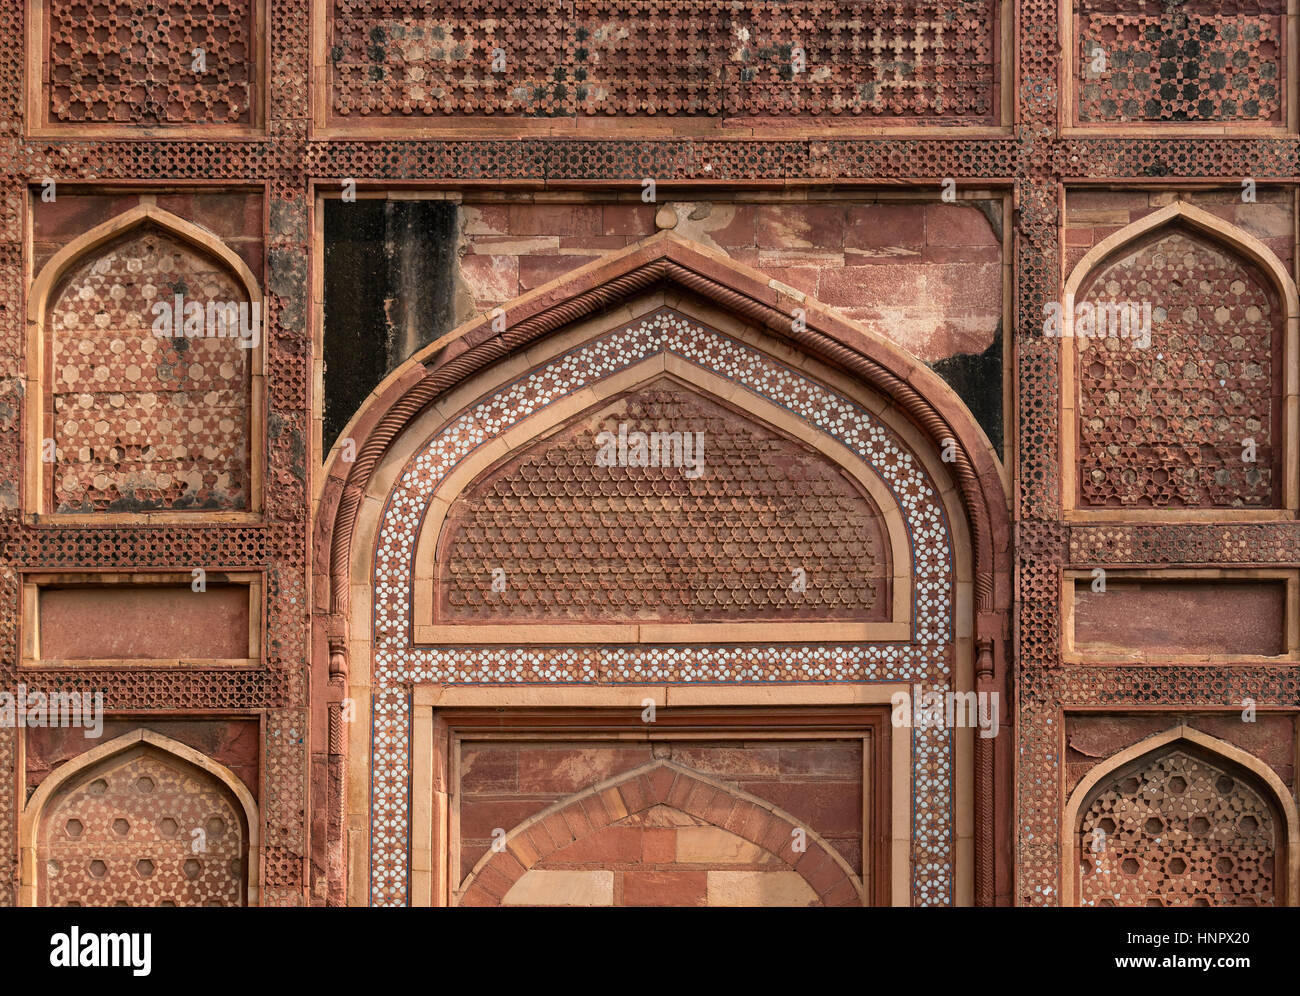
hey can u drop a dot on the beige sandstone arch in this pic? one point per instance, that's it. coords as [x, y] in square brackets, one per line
[30, 820]
[1281, 797]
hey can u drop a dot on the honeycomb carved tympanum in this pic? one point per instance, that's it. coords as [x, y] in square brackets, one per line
[142, 829]
[1177, 831]
[155, 63]
[576, 541]
[144, 422]
[1166, 425]
[1199, 61]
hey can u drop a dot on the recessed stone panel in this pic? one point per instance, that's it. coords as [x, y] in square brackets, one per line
[1168, 617]
[144, 622]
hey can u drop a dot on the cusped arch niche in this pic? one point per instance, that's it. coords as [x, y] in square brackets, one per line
[1181, 819]
[122, 420]
[1179, 398]
[142, 820]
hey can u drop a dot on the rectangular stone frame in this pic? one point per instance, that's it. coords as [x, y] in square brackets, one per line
[1067, 112]
[38, 125]
[1291, 637]
[360, 649]
[442, 714]
[31, 582]
[322, 126]
[1067, 351]
[37, 410]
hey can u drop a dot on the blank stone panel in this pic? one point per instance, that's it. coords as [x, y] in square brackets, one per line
[1169, 617]
[144, 622]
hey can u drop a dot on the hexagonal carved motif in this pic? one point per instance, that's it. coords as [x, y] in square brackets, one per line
[142, 829]
[1177, 831]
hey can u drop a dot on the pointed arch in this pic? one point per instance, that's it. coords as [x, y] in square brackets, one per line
[663, 260]
[1199, 220]
[41, 295]
[29, 821]
[1234, 240]
[677, 298]
[670, 369]
[1279, 795]
[666, 783]
[142, 214]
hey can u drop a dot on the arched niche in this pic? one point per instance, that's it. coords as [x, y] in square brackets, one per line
[659, 308]
[1180, 818]
[122, 421]
[140, 820]
[1179, 334]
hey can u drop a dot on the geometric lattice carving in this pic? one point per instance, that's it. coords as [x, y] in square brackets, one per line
[582, 542]
[1163, 426]
[143, 421]
[1207, 60]
[118, 63]
[912, 60]
[1177, 831]
[124, 835]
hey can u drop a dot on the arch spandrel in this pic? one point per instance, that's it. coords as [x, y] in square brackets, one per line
[664, 795]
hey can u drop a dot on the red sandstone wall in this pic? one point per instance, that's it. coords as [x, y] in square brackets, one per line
[232, 742]
[1092, 215]
[235, 216]
[925, 275]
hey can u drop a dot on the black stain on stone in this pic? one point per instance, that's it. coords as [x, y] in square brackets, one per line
[992, 210]
[288, 277]
[390, 270]
[977, 379]
[280, 429]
